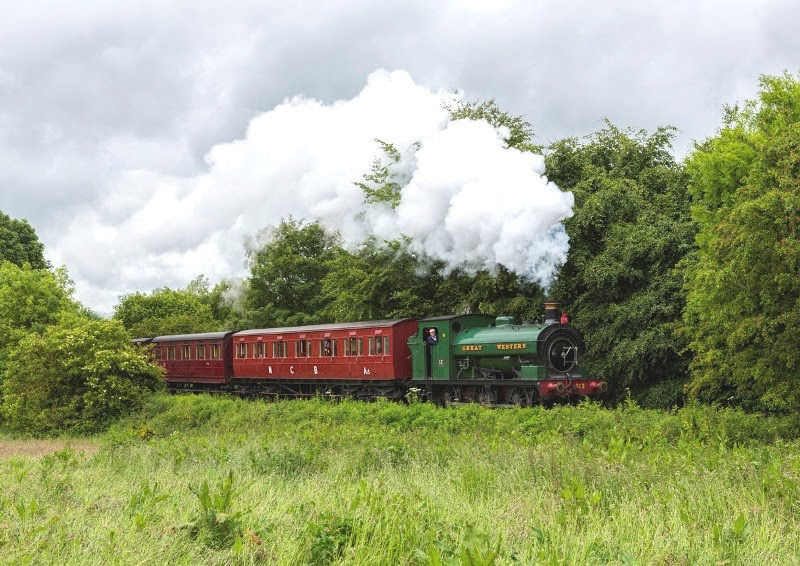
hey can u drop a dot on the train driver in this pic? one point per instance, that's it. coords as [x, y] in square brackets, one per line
[432, 338]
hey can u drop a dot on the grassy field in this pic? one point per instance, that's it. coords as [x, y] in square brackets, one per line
[201, 480]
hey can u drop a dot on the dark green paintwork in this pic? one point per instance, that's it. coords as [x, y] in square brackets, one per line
[442, 356]
[487, 343]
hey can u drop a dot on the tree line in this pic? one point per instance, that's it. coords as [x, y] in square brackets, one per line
[683, 276]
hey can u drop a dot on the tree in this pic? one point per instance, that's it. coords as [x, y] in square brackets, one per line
[30, 300]
[165, 311]
[743, 312]
[500, 293]
[519, 131]
[286, 274]
[78, 374]
[19, 243]
[630, 230]
[377, 281]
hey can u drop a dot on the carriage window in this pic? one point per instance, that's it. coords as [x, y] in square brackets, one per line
[157, 352]
[201, 352]
[214, 351]
[170, 352]
[379, 345]
[302, 348]
[242, 350]
[279, 350]
[385, 345]
[352, 347]
[371, 341]
[260, 350]
[185, 352]
[327, 347]
[360, 346]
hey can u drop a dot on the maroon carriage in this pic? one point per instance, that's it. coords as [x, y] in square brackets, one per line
[357, 359]
[195, 360]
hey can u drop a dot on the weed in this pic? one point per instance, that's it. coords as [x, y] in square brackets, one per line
[476, 550]
[142, 503]
[730, 539]
[216, 524]
[330, 535]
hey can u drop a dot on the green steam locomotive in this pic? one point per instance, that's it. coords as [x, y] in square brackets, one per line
[478, 358]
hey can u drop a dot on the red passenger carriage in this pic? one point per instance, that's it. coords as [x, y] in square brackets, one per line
[353, 359]
[195, 360]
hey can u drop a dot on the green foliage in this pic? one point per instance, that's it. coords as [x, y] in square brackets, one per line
[377, 281]
[286, 274]
[381, 183]
[743, 312]
[573, 485]
[495, 294]
[78, 374]
[329, 535]
[216, 524]
[520, 132]
[143, 503]
[19, 243]
[164, 312]
[165, 416]
[630, 230]
[382, 280]
[225, 302]
[476, 550]
[30, 300]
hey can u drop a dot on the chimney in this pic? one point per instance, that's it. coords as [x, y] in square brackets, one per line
[552, 312]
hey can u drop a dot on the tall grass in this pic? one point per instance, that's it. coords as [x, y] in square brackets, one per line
[196, 479]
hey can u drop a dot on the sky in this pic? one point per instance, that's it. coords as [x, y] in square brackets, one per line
[148, 141]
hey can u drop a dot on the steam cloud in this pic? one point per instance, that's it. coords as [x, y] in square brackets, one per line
[466, 199]
[476, 204]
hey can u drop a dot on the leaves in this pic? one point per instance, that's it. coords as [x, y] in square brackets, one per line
[164, 312]
[630, 231]
[77, 374]
[19, 243]
[286, 273]
[743, 289]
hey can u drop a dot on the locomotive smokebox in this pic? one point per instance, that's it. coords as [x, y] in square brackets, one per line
[552, 311]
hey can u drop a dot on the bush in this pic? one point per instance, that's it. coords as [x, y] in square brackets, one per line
[77, 375]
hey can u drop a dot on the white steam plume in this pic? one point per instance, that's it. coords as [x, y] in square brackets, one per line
[476, 204]
[466, 200]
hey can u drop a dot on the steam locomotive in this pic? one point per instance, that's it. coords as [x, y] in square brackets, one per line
[446, 359]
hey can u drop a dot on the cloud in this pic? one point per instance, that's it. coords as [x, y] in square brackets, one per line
[93, 93]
